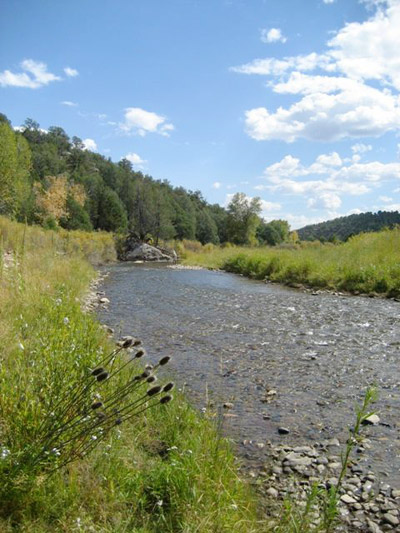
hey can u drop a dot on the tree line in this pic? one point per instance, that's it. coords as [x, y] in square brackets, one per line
[343, 228]
[48, 178]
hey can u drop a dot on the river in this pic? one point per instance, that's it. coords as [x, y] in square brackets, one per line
[282, 357]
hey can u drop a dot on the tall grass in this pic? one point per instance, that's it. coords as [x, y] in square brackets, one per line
[163, 470]
[367, 263]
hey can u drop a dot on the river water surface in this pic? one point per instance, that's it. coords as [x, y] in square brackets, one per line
[236, 340]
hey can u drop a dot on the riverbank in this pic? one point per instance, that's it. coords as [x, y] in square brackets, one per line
[166, 470]
[366, 264]
[285, 369]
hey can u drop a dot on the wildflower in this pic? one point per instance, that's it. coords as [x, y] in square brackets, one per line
[168, 387]
[127, 342]
[166, 399]
[21, 346]
[154, 390]
[102, 376]
[160, 503]
[66, 321]
[98, 371]
[5, 452]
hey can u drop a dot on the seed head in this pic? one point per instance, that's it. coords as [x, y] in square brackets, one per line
[168, 387]
[166, 399]
[154, 390]
[148, 367]
[151, 379]
[139, 353]
[164, 360]
[98, 371]
[102, 376]
[145, 374]
[127, 343]
[96, 405]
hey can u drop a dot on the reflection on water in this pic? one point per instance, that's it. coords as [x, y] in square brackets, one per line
[239, 339]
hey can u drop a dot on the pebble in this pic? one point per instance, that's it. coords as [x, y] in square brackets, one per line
[372, 420]
[228, 405]
[272, 492]
[283, 431]
[373, 526]
[388, 518]
[346, 498]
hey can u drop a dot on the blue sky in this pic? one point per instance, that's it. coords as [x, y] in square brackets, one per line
[294, 101]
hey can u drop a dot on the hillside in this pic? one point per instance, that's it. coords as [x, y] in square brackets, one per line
[344, 227]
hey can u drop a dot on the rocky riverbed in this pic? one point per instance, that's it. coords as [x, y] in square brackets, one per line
[289, 368]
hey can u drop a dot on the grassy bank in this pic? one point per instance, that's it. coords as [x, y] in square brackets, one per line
[367, 263]
[165, 470]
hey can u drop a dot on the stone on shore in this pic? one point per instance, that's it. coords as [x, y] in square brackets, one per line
[146, 252]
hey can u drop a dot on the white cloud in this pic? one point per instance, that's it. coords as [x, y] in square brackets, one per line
[385, 199]
[324, 182]
[141, 122]
[278, 67]
[135, 159]
[269, 206]
[89, 144]
[360, 148]
[358, 111]
[392, 207]
[216, 185]
[69, 104]
[34, 75]
[71, 72]
[274, 35]
[349, 90]
[325, 200]
[328, 1]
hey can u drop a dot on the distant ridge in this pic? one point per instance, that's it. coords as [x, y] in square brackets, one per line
[344, 227]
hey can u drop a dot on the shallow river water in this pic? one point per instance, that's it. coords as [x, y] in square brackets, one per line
[235, 340]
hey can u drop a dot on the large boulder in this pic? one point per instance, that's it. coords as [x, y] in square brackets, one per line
[145, 252]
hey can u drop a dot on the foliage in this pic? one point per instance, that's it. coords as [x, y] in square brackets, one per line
[15, 164]
[345, 227]
[243, 219]
[163, 470]
[367, 263]
[274, 232]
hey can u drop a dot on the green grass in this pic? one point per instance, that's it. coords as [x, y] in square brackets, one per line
[166, 470]
[367, 263]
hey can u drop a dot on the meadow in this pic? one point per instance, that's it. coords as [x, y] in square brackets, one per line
[165, 468]
[368, 263]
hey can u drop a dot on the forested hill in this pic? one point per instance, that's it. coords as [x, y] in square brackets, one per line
[47, 178]
[344, 227]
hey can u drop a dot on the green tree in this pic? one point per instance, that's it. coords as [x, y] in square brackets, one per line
[274, 232]
[112, 214]
[8, 168]
[243, 219]
[15, 164]
[206, 228]
[77, 217]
